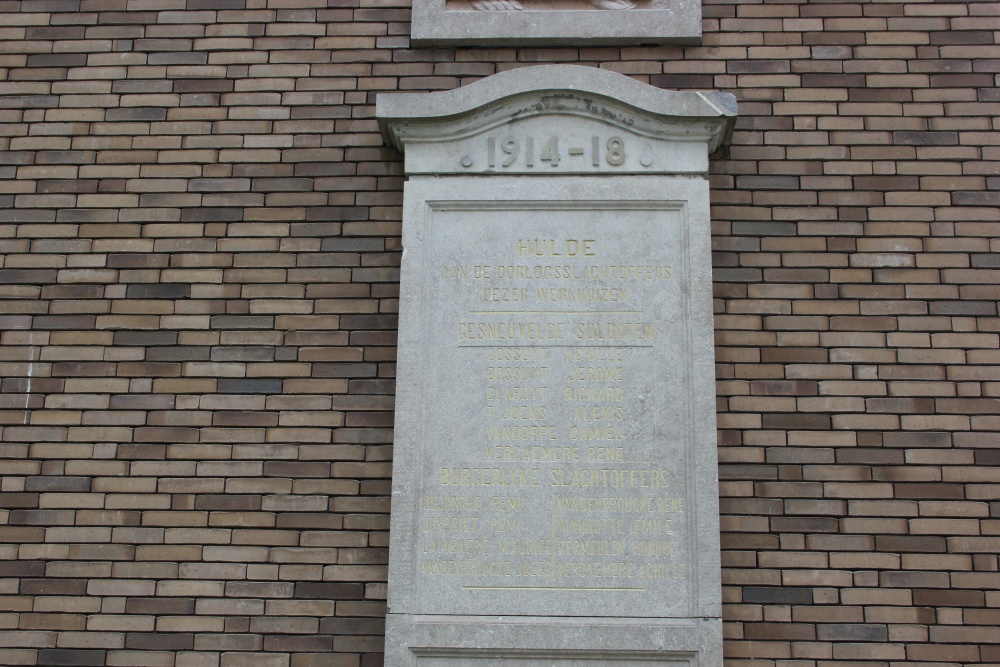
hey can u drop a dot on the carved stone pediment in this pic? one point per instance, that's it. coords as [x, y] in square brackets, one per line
[557, 119]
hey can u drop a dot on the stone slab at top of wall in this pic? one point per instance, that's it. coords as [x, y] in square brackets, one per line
[555, 22]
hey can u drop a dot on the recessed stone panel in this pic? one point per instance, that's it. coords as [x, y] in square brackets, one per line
[556, 357]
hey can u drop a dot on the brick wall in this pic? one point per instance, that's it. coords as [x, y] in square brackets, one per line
[199, 229]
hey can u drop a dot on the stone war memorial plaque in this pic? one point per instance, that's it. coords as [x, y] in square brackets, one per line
[555, 476]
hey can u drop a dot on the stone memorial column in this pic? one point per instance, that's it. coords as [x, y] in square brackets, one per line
[554, 493]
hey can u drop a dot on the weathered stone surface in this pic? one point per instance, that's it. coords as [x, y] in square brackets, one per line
[555, 22]
[554, 454]
[557, 120]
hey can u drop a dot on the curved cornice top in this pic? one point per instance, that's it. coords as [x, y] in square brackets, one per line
[501, 90]
[447, 132]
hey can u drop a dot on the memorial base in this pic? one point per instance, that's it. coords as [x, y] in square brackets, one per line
[550, 641]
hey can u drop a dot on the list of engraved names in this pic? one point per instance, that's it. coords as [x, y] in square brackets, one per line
[567, 469]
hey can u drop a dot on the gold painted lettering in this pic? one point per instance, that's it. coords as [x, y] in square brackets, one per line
[452, 503]
[517, 373]
[652, 526]
[595, 433]
[459, 524]
[521, 433]
[513, 331]
[525, 413]
[603, 504]
[452, 545]
[598, 413]
[606, 454]
[609, 478]
[614, 331]
[503, 525]
[531, 354]
[505, 294]
[592, 355]
[507, 503]
[554, 248]
[595, 374]
[670, 505]
[489, 476]
[658, 549]
[517, 393]
[594, 394]
[582, 294]
[662, 571]
[532, 453]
